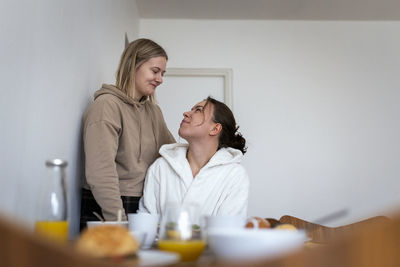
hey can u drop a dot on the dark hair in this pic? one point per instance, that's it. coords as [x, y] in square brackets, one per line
[229, 136]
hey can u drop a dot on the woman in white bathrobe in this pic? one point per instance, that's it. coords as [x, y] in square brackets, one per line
[206, 171]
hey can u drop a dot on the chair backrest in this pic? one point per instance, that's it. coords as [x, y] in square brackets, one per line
[273, 222]
[322, 234]
[318, 233]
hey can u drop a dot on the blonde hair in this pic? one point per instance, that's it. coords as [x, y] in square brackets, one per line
[134, 55]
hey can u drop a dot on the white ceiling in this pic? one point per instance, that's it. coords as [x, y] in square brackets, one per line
[271, 9]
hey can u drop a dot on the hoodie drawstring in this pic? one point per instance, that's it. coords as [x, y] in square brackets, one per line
[139, 156]
[154, 130]
[153, 124]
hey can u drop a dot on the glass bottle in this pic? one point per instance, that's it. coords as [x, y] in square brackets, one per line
[52, 207]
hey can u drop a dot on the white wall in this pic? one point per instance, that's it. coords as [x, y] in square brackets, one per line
[53, 56]
[318, 102]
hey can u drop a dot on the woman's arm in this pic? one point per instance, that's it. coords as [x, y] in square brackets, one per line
[165, 135]
[101, 145]
[150, 201]
[236, 201]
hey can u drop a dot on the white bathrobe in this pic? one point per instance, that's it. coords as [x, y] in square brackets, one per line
[220, 188]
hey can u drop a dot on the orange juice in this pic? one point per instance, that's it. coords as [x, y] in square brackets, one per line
[56, 230]
[188, 250]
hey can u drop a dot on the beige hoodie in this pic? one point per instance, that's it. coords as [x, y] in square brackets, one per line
[121, 140]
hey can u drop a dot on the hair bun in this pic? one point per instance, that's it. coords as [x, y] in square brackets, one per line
[239, 142]
[229, 136]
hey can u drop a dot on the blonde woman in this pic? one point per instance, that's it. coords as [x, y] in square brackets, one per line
[123, 131]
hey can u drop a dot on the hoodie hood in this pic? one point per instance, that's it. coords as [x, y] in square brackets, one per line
[141, 107]
[175, 155]
[113, 90]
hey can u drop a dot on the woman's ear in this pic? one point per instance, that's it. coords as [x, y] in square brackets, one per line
[216, 130]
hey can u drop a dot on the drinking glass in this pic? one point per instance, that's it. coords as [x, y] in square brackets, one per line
[181, 231]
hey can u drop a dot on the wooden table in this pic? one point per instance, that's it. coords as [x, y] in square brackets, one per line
[377, 245]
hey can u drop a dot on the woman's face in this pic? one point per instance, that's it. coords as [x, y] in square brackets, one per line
[197, 122]
[149, 75]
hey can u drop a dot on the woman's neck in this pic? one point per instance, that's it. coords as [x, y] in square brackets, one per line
[199, 154]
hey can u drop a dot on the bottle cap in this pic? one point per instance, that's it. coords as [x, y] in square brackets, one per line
[56, 162]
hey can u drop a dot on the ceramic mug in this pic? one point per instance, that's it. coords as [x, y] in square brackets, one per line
[144, 222]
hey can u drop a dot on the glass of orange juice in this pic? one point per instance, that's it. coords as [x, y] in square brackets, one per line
[180, 232]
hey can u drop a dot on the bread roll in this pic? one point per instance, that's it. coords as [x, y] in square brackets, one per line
[286, 226]
[262, 223]
[107, 241]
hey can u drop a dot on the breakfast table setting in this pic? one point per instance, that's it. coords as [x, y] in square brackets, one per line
[183, 238]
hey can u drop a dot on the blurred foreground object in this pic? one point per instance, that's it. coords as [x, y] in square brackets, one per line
[286, 226]
[262, 223]
[91, 224]
[107, 241]
[20, 248]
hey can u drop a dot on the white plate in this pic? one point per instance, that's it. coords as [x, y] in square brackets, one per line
[156, 257]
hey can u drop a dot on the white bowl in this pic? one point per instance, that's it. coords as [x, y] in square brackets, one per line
[97, 223]
[250, 244]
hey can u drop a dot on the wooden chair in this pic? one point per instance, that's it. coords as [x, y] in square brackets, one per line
[322, 234]
[273, 222]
